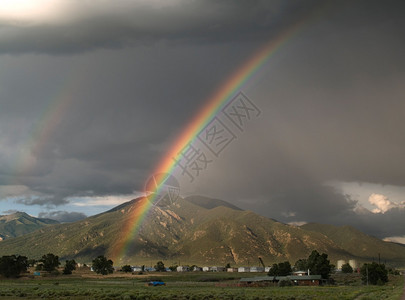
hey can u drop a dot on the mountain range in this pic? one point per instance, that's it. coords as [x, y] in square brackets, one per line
[199, 230]
[20, 223]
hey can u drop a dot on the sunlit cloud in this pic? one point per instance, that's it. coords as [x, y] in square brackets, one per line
[396, 239]
[382, 203]
[103, 200]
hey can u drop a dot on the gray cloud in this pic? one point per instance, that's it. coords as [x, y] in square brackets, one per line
[63, 216]
[77, 27]
[49, 201]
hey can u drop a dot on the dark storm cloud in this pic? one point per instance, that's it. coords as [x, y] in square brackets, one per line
[63, 216]
[43, 201]
[86, 26]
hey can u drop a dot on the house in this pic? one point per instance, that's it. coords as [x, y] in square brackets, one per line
[136, 269]
[300, 273]
[267, 269]
[257, 269]
[182, 269]
[218, 269]
[197, 269]
[243, 269]
[206, 269]
[232, 269]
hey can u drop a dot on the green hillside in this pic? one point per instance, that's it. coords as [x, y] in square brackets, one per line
[191, 234]
[358, 243]
[20, 223]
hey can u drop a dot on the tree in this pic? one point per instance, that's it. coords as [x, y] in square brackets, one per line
[102, 266]
[126, 268]
[70, 265]
[160, 266]
[228, 265]
[173, 268]
[346, 268]
[374, 273]
[12, 266]
[49, 262]
[280, 269]
[301, 265]
[318, 264]
[32, 262]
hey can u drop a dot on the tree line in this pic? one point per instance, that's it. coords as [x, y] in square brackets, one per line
[316, 264]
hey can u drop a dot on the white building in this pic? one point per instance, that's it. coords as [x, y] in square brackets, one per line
[206, 269]
[182, 269]
[232, 269]
[243, 269]
[256, 269]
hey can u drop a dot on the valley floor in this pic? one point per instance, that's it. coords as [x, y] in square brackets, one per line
[185, 286]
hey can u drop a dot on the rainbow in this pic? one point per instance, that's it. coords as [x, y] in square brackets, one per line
[213, 105]
[45, 125]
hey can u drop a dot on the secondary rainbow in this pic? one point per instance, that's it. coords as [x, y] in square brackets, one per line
[214, 104]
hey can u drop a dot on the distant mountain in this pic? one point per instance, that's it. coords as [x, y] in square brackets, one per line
[209, 203]
[20, 223]
[188, 232]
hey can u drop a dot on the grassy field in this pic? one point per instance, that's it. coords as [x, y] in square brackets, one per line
[86, 285]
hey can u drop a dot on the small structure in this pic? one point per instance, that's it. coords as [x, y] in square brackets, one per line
[300, 273]
[256, 269]
[182, 269]
[218, 269]
[267, 269]
[136, 269]
[353, 264]
[232, 269]
[206, 269]
[197, 269]
[243, 269]
[339, 264]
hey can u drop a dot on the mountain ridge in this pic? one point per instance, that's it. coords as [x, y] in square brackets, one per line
[190, 233]
[20, 223]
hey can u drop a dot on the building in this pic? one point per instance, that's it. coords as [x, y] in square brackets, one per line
[256, 269]
[232, 269]
[353, 263]
[182, 269]
[300, 273]
[197, 269]
[340, 263]
[243, 269]
[206, 269]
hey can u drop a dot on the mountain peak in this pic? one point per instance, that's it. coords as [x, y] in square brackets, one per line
[209, 203]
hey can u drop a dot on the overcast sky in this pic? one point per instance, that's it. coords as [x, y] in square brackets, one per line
[94, 93]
